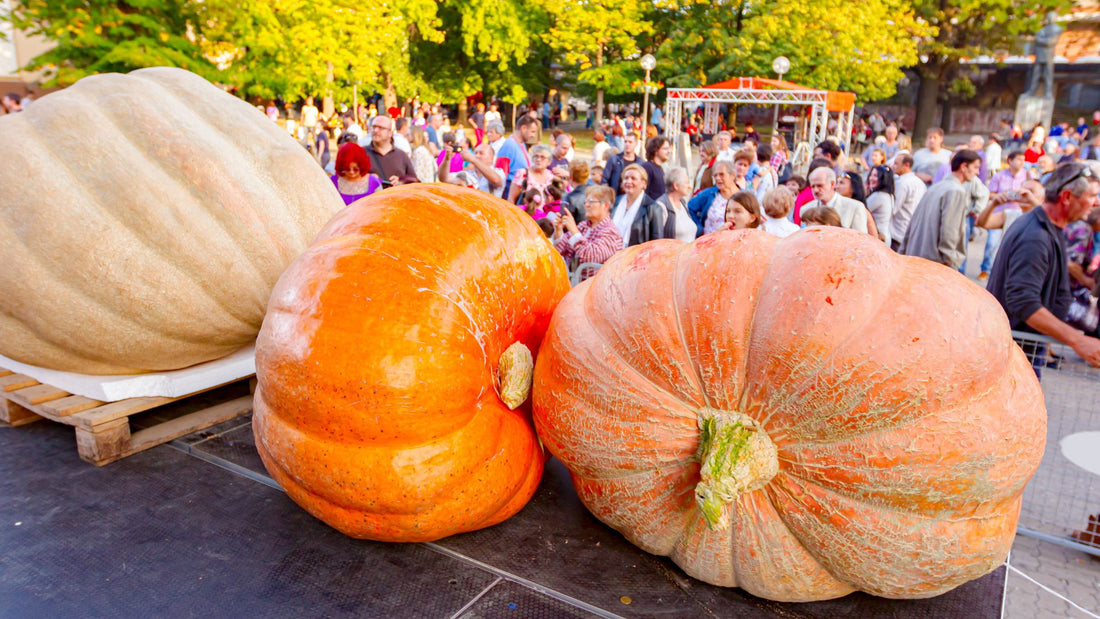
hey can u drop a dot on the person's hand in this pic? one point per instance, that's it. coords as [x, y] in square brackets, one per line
[568, 221]
[1089, 349]
[467, 155]
[395, 180]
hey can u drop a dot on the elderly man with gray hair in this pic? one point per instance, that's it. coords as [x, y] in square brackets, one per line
[724, 141]
[1030, 275]
[494, 135]
[853, 215]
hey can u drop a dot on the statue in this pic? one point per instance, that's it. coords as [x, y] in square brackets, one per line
[1043, 48]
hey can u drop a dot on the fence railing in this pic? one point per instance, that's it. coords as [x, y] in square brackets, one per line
[1062, 503]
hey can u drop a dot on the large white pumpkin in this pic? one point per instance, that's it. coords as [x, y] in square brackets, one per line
[144, 219]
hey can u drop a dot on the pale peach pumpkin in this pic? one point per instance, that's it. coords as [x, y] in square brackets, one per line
[144, 219]
[801, 418]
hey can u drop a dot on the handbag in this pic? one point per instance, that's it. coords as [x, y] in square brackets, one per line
[1083, 313]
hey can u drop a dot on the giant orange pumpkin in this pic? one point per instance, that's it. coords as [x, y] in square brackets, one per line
[392, 360]
[801, 418]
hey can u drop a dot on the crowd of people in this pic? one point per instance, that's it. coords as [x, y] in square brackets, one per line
[1036, 195]
[926, 202]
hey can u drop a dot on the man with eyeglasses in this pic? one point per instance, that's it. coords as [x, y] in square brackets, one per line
[1030, 277]
[392, 165]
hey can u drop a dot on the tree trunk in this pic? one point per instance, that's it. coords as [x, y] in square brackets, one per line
[463, 110]
[328, 107]
[599, 91]
[927, 95]
[599, 108]
[389, 97]
[945, 115]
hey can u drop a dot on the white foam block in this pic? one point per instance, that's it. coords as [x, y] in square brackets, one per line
[174, 384]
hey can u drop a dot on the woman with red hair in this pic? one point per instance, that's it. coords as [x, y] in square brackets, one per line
[353, 178]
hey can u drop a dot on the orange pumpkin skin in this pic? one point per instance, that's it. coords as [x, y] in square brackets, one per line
[377, 406]
[904, 420]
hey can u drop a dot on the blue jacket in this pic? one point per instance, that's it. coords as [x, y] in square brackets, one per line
[698, 206]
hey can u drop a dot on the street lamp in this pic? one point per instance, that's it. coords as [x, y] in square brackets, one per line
[648, 62]
[780, 65]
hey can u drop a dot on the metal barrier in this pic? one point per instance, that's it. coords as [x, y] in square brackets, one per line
[1062, 503]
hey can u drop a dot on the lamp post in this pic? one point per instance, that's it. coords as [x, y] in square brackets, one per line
[780, 65]
[648, 62]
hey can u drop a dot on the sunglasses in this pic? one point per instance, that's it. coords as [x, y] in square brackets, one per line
[1085, 172]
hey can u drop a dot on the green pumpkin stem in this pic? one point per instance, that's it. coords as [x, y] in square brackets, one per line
[515, 370]
[736, 456]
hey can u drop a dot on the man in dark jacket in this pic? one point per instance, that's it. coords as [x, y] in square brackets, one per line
[613, 171]
[1030, 277]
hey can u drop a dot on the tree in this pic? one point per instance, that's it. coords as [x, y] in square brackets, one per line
[101, 36]
[968, 29]
[300, 47]
[485, 47]
[832, 44]
[600, 38]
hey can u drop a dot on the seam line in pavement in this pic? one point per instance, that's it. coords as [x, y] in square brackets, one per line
[519, 580]
[476, 598]
[501, 574]
[232, 467]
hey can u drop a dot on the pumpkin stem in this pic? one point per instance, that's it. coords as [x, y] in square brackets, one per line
[514, 371]
[736, 456]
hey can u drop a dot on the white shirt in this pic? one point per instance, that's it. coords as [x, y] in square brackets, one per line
[309, 115]
[1011, 215]
[496, 145]
[624, 216]
[401, 143]
[685, 226]
[853, 214]
[781, 227]
[725, 155]
[768, 182]
[908, 191]
[881, 205]
[993, 154]
[597, 152]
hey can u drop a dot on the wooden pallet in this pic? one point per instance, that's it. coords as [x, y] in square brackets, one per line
[103, 432]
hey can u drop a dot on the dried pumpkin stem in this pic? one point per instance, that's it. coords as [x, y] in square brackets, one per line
[736, 456]
[514, 371]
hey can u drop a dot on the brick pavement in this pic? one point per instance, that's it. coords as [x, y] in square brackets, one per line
[1057, 501]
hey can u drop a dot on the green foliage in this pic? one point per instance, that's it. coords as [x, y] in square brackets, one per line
[483, 47]
[287, 47]
[600, 39]
[832, 44]
[100, 36]
[971, 28]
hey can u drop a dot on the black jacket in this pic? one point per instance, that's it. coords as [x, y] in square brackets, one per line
[574, 201]
[647, 223]
[1030, 271]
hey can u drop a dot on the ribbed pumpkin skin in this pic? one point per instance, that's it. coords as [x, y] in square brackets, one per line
[144, 219]
[377, 406]
[906, 420]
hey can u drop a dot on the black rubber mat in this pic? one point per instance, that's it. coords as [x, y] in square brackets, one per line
[165, 534]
